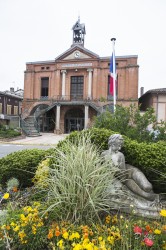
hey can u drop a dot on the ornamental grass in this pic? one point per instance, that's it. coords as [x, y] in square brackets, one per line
[78, 183]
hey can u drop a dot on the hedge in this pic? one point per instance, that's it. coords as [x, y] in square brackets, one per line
[148, 157]
[21, 165]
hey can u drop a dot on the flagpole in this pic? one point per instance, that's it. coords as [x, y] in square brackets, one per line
[114, 73]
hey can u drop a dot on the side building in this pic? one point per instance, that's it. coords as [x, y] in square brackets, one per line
[156, 99]
[64, 94]
[10, 107]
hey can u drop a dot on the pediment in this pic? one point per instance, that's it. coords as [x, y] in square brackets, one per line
[76, 53]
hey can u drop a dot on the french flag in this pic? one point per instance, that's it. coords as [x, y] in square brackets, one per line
[112, 74]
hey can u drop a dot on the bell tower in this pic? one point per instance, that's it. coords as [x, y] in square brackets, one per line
[78, 33]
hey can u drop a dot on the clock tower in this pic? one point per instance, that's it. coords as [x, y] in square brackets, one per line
[78, 34]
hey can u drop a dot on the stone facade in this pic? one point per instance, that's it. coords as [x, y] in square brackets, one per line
[77, 80]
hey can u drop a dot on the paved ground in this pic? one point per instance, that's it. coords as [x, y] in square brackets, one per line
[44, 139]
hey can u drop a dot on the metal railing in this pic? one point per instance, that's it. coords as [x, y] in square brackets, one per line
[26, 126]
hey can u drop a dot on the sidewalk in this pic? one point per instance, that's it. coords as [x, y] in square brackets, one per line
[44, 139]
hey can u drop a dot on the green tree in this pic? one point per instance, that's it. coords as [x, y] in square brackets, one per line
[131, 122]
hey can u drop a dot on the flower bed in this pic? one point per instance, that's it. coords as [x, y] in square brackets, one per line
[68, 207]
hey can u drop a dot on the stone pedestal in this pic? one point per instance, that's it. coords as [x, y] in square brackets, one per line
[126, 201]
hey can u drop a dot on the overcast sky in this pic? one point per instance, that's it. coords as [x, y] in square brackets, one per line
[39, 30]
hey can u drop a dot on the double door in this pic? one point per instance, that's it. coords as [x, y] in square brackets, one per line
[74, 124]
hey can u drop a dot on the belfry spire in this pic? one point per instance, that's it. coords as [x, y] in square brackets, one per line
[78, 33]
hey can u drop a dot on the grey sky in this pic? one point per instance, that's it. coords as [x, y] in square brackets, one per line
[36, 30]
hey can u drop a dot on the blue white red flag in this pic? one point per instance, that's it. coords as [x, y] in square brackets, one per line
[112, 74]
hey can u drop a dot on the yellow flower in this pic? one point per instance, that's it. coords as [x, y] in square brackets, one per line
[34, 229]
[77, 247]
[65, 235]
[107, 219]
[74, 236]
[110, 240]
[21, 234]
[24, 241]
[36, 204]
[60, 244]
[102, 245]
[12, 224]
[157, 231]
[115, 219]
[116, 236]
[6, 196]
[3, 227]
[40, 224]
[163, 213]
[15, 229]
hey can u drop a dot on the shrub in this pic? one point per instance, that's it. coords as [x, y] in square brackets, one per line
[130, 122]
[150, 158]
[8, 133]
[41, 173]
[98, 136]
[21, 165]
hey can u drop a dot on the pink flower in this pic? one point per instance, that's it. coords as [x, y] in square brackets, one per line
[148, 242]
[137, 230]
[145, 232]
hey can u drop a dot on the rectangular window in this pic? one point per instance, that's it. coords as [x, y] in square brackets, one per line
[9, 109]
[44, 87]
[0, 108]
[77, 83]
[15, 110]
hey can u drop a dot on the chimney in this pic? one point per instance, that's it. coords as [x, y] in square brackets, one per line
[12, 90]
[141, 91]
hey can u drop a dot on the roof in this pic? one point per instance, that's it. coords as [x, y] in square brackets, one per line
[85, 50]
[74, 47]
[154, 91]
[78, 26]
[8, 93]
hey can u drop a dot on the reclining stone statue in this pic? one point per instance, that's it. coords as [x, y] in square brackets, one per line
[135, 182]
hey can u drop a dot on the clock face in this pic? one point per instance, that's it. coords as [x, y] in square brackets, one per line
[77, 54]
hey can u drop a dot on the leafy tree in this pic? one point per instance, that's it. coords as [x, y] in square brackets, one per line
[131, 122]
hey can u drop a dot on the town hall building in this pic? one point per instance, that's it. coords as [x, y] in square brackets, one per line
[64, 94]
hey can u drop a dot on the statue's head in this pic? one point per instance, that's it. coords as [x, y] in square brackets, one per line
[115, 141]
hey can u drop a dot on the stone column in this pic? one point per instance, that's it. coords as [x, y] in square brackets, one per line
[63, 81]
[57, 128]
[86, 117]
[90, 83]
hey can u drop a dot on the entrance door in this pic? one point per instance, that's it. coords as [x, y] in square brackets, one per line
[73, 124]
[74, 120]
[47, 121]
